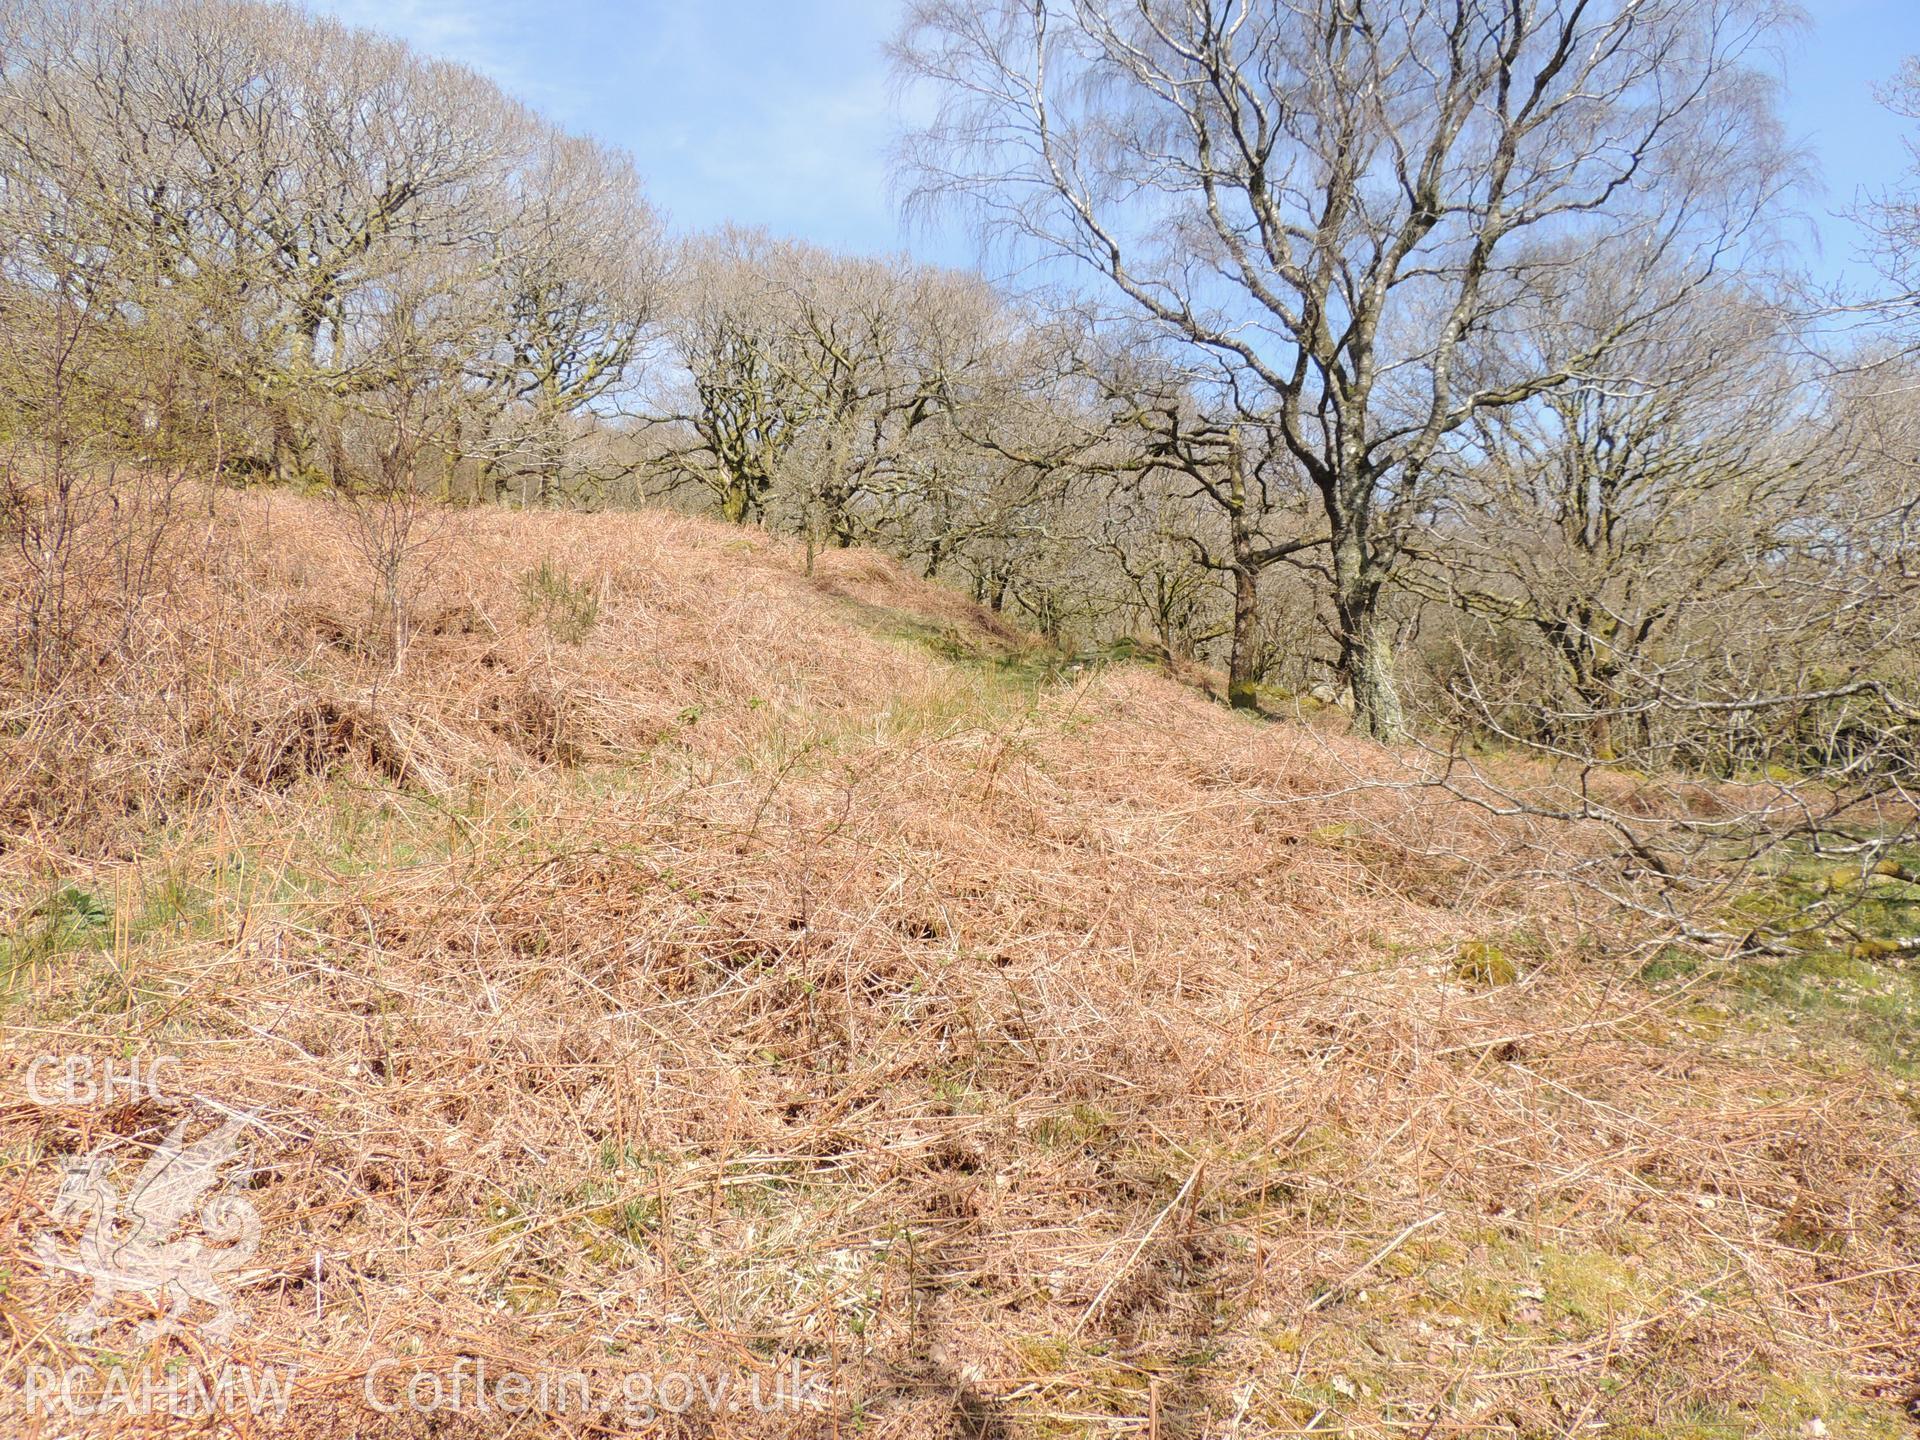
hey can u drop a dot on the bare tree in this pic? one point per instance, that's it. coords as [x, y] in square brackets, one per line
[1691, 565]
[422, 331]
[379, 263]
[882, 349]
[1148, 534]
[578, 279]
[1240, 489]
[282, 167]
[1334, 202]
[819, 392]
[101, 415]
[1890, 217]
[742, 403]
[1609, 514]
[84, 506]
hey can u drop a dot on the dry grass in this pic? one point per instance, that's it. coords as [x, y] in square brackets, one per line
[734, 984]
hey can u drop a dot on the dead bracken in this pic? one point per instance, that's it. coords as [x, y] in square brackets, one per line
[745, 984]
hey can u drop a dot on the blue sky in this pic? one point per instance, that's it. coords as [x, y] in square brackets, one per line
[779, 112]
[757, 111]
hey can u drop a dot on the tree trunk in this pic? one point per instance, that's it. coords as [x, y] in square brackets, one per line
[1593, 683]
[836, 500]
[995, 591]
[1367, 660]
[1164, 624]
[291, 449]
[1241, 679]
[1242, 693]
[1366, 647]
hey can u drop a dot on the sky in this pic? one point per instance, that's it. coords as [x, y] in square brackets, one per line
[780, 112]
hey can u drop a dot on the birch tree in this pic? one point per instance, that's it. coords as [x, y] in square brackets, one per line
[1333, 203]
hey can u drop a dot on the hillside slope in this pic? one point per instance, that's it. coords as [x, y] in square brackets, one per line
[689, 965]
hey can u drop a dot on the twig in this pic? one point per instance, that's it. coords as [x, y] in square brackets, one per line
[1379, 1255]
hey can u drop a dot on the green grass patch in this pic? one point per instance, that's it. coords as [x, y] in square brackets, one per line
[71, 919]
[1027, 668]
[1834, 1000]
[1027, 664]
[1843, 974]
